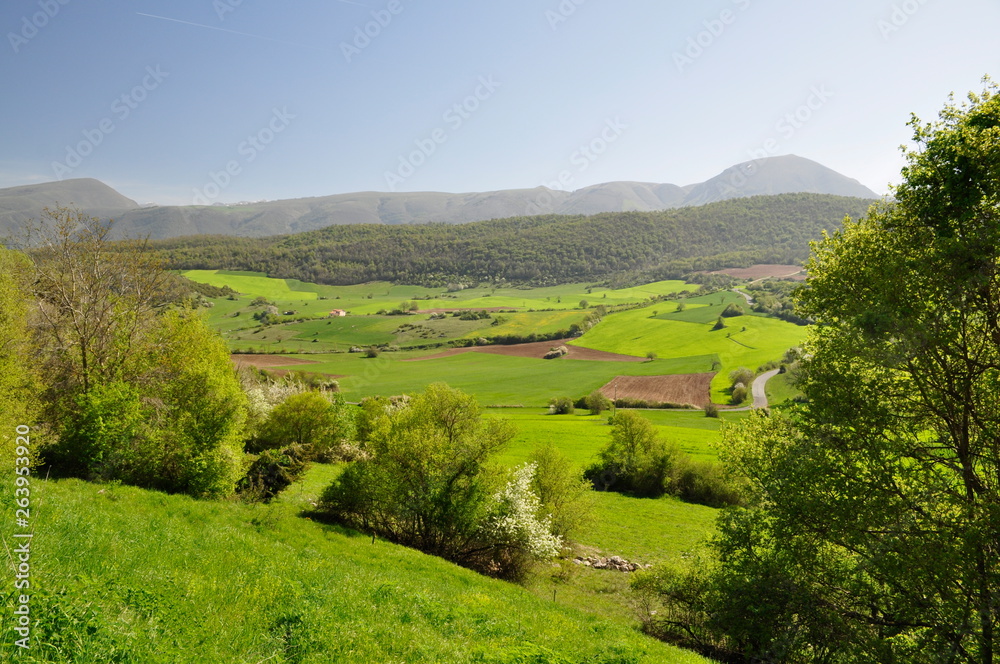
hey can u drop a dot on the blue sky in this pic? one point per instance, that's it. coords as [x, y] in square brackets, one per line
[228, 100]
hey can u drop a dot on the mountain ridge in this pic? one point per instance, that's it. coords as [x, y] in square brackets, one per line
[769, 176]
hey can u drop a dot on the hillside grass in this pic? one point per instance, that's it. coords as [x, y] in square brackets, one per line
[493, 379]
[127, 575]
[747, 341]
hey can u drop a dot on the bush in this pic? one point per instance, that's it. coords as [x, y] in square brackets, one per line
[739, 394]
[732, 310]
[308, 419]
[597, 403]
[563, 492]
[272, 472]
[719, 323]
[425, 481]
[372, 351]
[741, 375]
[561, 406]
[711, 410]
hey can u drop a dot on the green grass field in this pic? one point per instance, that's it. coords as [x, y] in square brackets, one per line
[747, 341]
[126, 575]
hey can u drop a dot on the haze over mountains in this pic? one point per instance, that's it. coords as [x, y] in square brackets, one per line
[774, 175]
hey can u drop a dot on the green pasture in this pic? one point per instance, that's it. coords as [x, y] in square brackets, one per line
[493, 379]
[128, 575]
[748, 341]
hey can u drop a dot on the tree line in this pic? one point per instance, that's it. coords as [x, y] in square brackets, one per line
[541, 250]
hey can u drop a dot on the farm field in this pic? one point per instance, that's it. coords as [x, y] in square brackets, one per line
[678, 332]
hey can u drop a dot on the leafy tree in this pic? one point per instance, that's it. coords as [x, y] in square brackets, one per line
[635, 459]
[597, 403]
[308, 419]
[732, 309]
[875, 533]
[720, 323]
[563, 492]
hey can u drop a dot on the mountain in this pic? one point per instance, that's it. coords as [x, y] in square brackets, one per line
[774, 175]
[18, 205]
[788, 174]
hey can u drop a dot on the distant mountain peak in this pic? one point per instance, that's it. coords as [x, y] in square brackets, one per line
[783, 174]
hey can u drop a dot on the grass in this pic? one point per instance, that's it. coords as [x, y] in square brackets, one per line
[494, 379]
[748, 341]
[127, 575]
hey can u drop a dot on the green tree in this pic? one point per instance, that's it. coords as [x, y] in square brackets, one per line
[597, 403]
[635, 459]
[564, 494]
[875, 534]
[307, 418]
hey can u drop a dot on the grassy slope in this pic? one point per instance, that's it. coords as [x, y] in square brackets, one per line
[125, 575]
[748, 340]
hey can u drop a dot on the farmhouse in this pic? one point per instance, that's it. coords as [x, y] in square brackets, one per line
[336, 313]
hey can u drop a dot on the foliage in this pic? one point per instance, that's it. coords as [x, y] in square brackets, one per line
[563, 493]
[272, 472]
[873, 534]
[316, 420]
[732, 309]
[561, 406]
[539, 250]
[638, 461]
[597, 403]
[426, 482]
[720, 323]
[18, 384]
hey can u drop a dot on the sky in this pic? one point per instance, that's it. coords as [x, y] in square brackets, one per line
[220, 101]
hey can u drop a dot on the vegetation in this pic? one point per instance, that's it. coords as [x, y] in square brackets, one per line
[872, 533]
[537, 250]
[425, 481]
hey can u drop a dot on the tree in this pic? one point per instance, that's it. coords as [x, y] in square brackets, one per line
[635, 459]
[96, 299]
[306, 419]
[875, 534]
[597, 403]
[563, 493]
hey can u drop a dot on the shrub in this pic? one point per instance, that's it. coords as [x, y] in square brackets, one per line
[741, 375]
[561, 406]
[732, 310]
[719, 323]
[739, 393]
[272, 472]
[425, 481]
[563, 492]
[310, 419]
[711, 410]
[597, 403]
[371, 352]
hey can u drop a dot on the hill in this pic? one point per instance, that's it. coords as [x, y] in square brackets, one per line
[774, 175]
[128, 575]
[20, 204]
[539, 250]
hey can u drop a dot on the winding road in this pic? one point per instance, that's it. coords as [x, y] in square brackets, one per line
[757, 388]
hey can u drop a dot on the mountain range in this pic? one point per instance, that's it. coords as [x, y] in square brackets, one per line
[773, 175]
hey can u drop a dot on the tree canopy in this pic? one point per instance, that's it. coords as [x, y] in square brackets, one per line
[875, 530]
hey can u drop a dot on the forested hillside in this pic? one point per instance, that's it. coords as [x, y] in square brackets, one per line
[535, 250]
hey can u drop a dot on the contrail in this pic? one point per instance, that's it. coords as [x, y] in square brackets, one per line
[234, 32]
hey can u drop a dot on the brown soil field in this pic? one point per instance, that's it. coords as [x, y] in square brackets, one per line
[682, 388]
[794, 272]
[537, 349]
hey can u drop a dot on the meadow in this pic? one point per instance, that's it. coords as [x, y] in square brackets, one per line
[677, 331]
[121, 574]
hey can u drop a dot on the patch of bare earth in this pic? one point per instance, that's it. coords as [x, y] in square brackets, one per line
[691, 389]
[765, 271]
[537, 349]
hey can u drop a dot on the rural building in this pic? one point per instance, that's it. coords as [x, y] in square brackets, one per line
[337, 312]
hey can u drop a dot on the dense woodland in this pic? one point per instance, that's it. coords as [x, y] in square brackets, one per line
[535, 250]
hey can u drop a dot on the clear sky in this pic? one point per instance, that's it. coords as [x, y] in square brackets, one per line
[229, 100]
